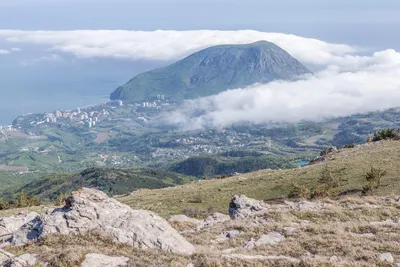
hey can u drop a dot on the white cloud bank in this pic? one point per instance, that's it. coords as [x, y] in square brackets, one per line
[329, 93]
[349, 83]
[172, 45]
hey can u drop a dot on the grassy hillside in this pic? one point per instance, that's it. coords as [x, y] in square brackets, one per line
[350, 164]
[110, 181]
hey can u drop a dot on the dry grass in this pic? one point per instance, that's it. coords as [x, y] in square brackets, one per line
[347, 232]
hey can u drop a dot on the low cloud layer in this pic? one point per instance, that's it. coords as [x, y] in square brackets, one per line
[336, 91]
[172, 45]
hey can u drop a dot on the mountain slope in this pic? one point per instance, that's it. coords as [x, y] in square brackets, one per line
[110, 181]
[213, 70]
[351, 165]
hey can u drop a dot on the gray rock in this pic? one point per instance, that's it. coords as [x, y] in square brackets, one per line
[184, 219]
[261, 257]
[5, 257]
[304, 205]
[92, 210]
[214, 219]
[242, 207]
[272, 238]
[290, 229]
[100, 260]
[10, 225]
[23, 261]
[30, 231]
[9, 260]
[386, 257]
[224, 236]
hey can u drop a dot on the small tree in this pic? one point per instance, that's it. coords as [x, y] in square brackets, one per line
[327, 184]
[299, 191]
[60, 201]
[4, 204]
[385, 134]
[21, 200]
[373, 178]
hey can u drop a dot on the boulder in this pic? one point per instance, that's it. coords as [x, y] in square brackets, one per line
[100, 260]
[9, 226]
[304, 205]
[214, 219]
[224, 236]
[23, 261]
[9, 260]
[92, 210]
[242, 207]
[386, 257]
[272, 238]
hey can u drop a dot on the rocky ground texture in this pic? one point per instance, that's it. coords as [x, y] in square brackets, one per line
[95, 230]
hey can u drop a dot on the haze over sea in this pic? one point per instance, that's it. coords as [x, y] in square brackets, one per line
[38, 79]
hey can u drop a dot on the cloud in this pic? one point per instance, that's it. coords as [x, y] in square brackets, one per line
[6, 52]
[172, 45]
[49, 58]
[329, 93]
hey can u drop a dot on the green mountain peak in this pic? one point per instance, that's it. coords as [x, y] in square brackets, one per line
[213, 70]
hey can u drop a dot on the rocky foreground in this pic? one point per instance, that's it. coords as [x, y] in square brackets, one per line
[95, 230]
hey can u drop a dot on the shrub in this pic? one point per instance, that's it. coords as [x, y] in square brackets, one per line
[385, 134]
[60, 201]
[4, 204]
[373, 178]
[328, 184]
[349, 145]
[22, 200]
[299, 191]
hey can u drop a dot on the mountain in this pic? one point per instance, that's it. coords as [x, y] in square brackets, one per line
[213, 70]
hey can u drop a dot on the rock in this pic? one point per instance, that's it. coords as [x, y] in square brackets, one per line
[184, 219]
[214, 219]
[23, 261]
[30, 231]
[100, 260]
[367, 235]
[261, 257]
[9, 260]
[304, 205]
[386, 257]
[10, 225]
[92, 210]
[224, 236]
[5, 257]
[272, 238]
[290, 229]
[242, 207]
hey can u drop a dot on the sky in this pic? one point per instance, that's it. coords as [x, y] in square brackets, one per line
[354, 22]
[75, 53]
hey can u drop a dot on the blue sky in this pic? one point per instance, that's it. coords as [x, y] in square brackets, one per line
[368, 22]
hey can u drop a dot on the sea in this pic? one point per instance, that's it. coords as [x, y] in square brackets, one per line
[47, 86]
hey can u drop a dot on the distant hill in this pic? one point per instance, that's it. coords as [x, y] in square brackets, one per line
[213, 70]
[212, 166]
[110, 181]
